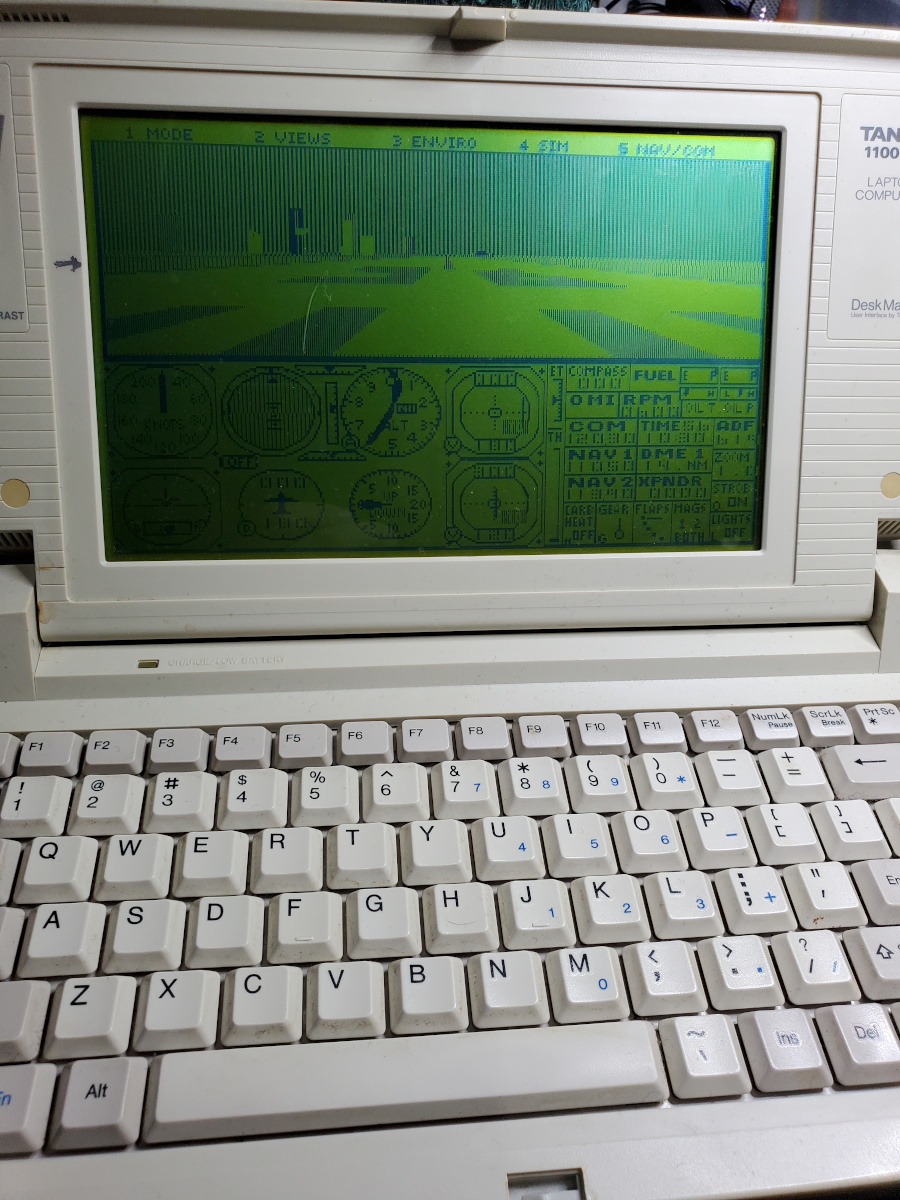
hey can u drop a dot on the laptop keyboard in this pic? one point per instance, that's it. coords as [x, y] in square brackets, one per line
[258, 931]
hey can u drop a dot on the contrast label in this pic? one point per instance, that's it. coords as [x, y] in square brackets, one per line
[13, 304]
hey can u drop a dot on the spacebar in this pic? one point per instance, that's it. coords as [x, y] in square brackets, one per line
[336, 1085]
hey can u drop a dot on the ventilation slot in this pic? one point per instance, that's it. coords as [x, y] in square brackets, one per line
[11, 14]
[889, 529]
[16, 546]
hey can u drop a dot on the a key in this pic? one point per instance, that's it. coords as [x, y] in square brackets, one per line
[783, 1051]
[704, 1057]
[716, 838]
[57, 870]
[795, 775]
[546, 735]
[345, 1000]
[262, 1006]
[730, 777]
[226, 932]
[784, 834]
[863, 772]
[647, 842]
[107, 804]
[23, 1118]
[823, 896]
[536, 915]
[888, 813]
[305, 928]
[427, 740]
[395, 792]
[115, 752]
[507, 990]
[35, 807]
[427, 995]
[483, 737]
[325, 796]
[713, 729]
[135, 868]
[599, 783]
[663, 979]
[739, 973]
[434, 852]
[181, 802]
[287, 860]
[176, 1010]
[874, 723]
[656, 732]
[99, 1104]
[144, 935]
[304, 746]
[460, 919]
[23, 1011]
[50, 754]
[12, 922]
[813, 967]
[849, 830]
[599, 733]
[10, 852]
[586, 985]
[178, 750]
[826, 725]
[253, 799]
[753, 900]
[875, 957]
[665, 781]
[9, 750]
[62, 939]
[609, 908]
[465, 790]
[507, 848]
[358, 856]
[681, 905]
[240, 747]
[383, 923]
[532, 787]
[861, 1043]
[769, 728]
[211, 864]
[90, 1018]
[578, 844]
[361, 743]
[878, 884]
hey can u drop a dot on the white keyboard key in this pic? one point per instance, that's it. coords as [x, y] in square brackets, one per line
[10, 853]
[35, 807]
[888, 813]
[211, 864]
[795, 775]
[178, 750]
[769, 728]
[50, 754]
[823, 896]
[681, 905]
[383, 924]
[12, 922]
[861, 1043]
[99, 1104]
[578, 844]
[427, 740]
[753, 900]
[704, 1057]
[465, 790]
[665, 781]
[586, 985]
[609, 908]
[863, 772]
[181, 802]
[823, 725]
[435, 852]
[546, 735]
[532, 787]
[241, 747]
[663, 979]
[364, 742]
[262, 1006]
[145, 935]
[305, 929]
[507, 848]
[599, 733]
[90, 1018]
[784, 834]
[878, 883]
[177, 1010]
[325, 796]
[536, 915]
[23, 1011]
[813, 967]
[849, 830]
[135, 868]
[730, 777]
[656, 732]
[716, 838]
[507, 990]
[9, 749]
[460, 919]
[287, 860]
[304, 746]
[783, 1051]
[739, 973]
[713, 729]
[24, 1116]
[647, 842]
[253, 799]
[62, 939]
[874, 723]
[345, 1000]
[483, 737]
[227, 932]
[427, 995]
[115, 751]
[57, 870]
[599, 783]
[107, 804]
[395, 792]
[875, 955]
[358, 856]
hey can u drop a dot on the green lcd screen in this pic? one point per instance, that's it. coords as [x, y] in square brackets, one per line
[323, 339]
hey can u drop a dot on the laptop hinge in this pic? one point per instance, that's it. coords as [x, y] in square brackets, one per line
[19, 642]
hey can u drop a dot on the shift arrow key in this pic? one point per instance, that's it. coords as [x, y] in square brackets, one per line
[863, 772]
